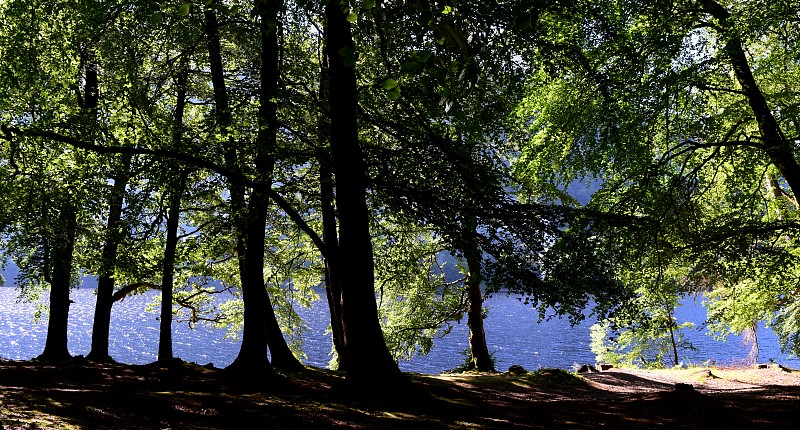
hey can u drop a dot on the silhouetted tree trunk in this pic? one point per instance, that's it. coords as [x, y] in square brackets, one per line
[671, 324]
[105, 282]
[253, 358]
[165, 354]
[261, 330]
[61, 248]
[333, 289]
[62, 243]
[480, 359]
[371, 368]
[330, 235]
[268, 10]
[176, 190]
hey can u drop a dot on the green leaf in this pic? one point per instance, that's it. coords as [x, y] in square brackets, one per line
[353, 17]
[156, 18]
[369, 4]
[393, 94]
[447, 10]
[388, 84]
[184, 9]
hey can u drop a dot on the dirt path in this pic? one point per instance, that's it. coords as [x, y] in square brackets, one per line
[705, 380]
[87, 396]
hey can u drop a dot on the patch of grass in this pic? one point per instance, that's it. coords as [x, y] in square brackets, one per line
[552, 377]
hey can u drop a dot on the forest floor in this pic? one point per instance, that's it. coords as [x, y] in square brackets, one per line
[79, 395]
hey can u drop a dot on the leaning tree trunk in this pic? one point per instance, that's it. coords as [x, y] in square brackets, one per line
[778, 148]
[480, 359]
[371, 368]
[62, 247]
[105, 282]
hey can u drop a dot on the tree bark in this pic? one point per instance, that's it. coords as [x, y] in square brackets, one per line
[330, 235]
[165, 354]
[333, 289]
[371, 368]
[105, 283]
[266, 144]
[63, 245]
[480, 359]
[253, 358]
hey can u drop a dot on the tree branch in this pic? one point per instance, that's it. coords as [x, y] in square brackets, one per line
[233, 176]
[128, 289]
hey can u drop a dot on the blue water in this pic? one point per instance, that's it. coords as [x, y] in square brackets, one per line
[513, 335]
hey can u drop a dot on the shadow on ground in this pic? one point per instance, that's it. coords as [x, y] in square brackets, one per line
[183, 395]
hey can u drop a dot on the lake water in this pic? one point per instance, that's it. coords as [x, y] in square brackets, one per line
[513, 335]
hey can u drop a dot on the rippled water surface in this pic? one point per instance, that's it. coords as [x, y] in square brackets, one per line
[512, 332]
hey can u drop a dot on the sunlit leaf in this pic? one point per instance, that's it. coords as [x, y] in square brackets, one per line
[184, 9]
[389, 83]
[393, 94]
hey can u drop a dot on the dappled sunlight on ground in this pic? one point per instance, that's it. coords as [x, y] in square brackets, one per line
[183, 395]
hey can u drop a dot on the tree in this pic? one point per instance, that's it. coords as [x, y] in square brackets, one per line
[64, 188]
[366, 350]
[672, 118]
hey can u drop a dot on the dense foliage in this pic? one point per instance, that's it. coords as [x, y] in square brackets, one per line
[259, 150]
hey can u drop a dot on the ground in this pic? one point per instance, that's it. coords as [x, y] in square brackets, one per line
[80, 395]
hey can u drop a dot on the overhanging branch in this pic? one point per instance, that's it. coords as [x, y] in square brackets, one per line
[233, 176]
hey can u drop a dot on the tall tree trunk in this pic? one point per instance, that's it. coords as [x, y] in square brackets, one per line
[253, 356]
[63, 244]
[253, 352]
[224, 124]
[371, 368]
[249, 224]
[778, 148]
[330, 235]
[480, 359]
[266, 144]
[105, 282]
[62, 247]
[333, 289]
[165, 354]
